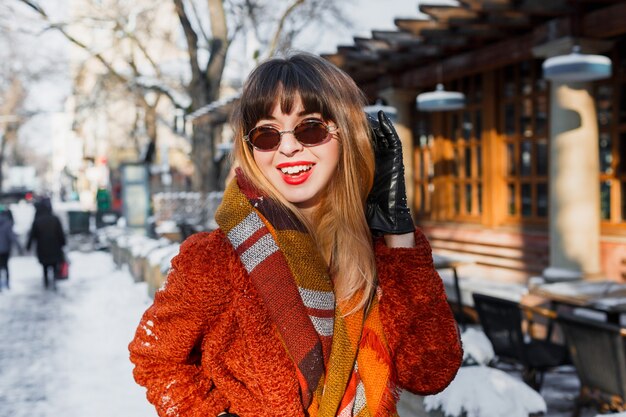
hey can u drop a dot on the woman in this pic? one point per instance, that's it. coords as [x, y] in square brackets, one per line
[291, 307]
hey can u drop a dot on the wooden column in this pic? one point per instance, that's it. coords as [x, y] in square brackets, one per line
[494, 157]
[404, 102]
[574, 183]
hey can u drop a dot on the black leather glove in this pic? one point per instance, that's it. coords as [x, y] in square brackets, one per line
[387, 211]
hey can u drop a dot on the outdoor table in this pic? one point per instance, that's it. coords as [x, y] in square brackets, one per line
[608, 297]
[453, 262]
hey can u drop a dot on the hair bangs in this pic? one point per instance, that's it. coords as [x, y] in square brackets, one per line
[282, 83]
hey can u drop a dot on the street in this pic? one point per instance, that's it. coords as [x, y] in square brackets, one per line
[64, 353]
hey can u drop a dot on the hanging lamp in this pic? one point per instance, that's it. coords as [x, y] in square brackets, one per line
[440, 100]
[372, 110]
[577, 66]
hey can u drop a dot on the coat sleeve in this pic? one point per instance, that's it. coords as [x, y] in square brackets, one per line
[31, 237]
[166, 346]
[418, 323]
[60, 232]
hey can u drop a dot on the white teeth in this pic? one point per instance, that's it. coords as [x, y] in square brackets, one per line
[295, 169]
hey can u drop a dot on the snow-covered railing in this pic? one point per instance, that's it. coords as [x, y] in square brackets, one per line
[147, 259]
[173, 209]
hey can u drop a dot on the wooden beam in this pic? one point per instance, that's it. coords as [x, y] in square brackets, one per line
[546, 8]
[415, 26]
[509, 19]
[425, 51]
[444, 38]
[374, 45]
[343, 49]
[490, 57]
[443, 13]
[606, 22]
[482, 30]
[487, 5]
[337, 59]
[360, 57]
[397, 40]
[402, 62]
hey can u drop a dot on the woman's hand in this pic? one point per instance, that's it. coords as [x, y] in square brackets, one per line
[387, 212]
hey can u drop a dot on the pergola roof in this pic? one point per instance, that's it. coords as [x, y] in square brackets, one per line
[474, 36]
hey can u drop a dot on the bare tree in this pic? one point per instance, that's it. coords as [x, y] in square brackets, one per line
[20, 73]
[209, 27]
[275, 32]
[10, 120]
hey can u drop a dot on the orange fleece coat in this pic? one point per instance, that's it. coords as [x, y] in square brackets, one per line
[207, 343]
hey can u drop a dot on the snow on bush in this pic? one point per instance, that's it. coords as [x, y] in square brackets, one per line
[477, 348]
[156, 256]
[166, 261]
[480, 391]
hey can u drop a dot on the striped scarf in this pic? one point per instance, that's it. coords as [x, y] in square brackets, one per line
[342, 362]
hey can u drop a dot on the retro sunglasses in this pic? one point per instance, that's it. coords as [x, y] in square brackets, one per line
[309, 132]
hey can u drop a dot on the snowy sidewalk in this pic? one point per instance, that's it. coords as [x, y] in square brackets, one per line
[64, 353]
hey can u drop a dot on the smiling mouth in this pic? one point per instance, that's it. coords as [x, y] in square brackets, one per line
[296, 169]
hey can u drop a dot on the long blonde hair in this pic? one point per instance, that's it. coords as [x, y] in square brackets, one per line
[338, 226]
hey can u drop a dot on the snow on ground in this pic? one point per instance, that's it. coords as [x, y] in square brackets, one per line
[64, 353]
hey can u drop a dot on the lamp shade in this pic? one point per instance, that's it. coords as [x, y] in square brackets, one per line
[373, 110]
[440, 100]
[577, 67]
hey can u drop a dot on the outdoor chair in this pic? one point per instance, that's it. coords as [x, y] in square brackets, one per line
[502, 321]
[598, 352]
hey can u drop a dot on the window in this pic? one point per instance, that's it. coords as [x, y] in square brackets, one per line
[449, 160]
[423, 168]
[610, 97]
[523, 125]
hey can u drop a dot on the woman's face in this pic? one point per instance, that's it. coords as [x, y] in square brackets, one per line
[299, 173]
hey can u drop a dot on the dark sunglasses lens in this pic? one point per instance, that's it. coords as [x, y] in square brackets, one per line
[264, 138]
[311, 133]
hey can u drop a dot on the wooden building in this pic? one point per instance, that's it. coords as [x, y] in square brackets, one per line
[529, 178]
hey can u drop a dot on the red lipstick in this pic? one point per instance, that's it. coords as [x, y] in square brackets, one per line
[295, 177]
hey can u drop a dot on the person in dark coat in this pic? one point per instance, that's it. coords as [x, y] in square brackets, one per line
[8, 238]
[48, 233]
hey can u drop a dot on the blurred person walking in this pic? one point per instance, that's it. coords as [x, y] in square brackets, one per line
[8, 238]
[48, 233]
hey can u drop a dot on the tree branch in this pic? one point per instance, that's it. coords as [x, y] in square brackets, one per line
[142, 49]
[218, 47]
[199, 22]
[121, 78]
[75, 41]
[192, 42]
[281, 24]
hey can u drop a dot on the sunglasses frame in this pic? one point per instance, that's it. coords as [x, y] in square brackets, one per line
[329, 130]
